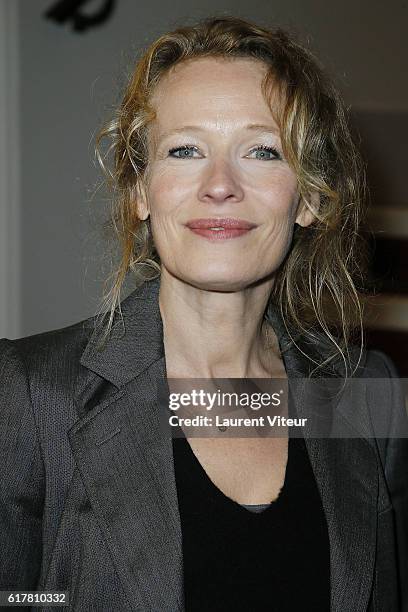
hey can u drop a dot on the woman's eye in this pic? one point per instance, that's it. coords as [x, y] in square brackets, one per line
[184, 152]
[265, 153]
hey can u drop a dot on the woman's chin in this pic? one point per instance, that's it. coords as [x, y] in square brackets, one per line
[226, 282]
[222, 285]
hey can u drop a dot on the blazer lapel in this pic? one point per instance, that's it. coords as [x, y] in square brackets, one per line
[345, 469]
[126, 463]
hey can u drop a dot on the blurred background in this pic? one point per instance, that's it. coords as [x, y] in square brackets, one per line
[63, 65]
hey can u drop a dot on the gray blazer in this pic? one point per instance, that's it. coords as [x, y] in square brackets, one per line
[88, 499]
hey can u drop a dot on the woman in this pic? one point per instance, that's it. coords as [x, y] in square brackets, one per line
[235, 178]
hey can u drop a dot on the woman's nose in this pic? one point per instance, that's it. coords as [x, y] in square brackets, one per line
[220, 183]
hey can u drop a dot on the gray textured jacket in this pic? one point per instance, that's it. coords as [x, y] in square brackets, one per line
[88, 500]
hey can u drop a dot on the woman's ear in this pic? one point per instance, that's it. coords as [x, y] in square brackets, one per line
[305, 215]
[142, 204]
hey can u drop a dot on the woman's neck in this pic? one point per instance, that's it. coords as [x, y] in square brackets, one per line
[213, 334]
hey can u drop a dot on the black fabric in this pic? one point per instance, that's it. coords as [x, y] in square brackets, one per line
[234, 559]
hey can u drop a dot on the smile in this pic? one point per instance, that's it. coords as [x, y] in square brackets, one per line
[220, 229]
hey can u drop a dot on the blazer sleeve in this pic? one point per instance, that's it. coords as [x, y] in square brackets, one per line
[21, 477]
[394, 457]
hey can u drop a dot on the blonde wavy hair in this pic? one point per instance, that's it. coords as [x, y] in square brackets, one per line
[317, 285]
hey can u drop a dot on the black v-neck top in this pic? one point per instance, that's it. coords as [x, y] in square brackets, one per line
[254, 560]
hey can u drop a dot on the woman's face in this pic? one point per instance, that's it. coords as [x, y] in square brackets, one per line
[222, 199]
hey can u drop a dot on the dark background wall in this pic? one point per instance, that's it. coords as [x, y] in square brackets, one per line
[69, 80]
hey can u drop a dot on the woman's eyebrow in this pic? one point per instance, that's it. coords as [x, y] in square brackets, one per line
[258, 127]
[184, 128]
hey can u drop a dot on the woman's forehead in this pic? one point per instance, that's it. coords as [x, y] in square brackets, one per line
[209, 91]
[199, 75]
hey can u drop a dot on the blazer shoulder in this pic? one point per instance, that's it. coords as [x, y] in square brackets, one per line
[362, 362]
[379, 365]
[51, 365]
[57, 348]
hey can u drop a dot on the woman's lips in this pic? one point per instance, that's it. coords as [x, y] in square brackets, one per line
[220, 229]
